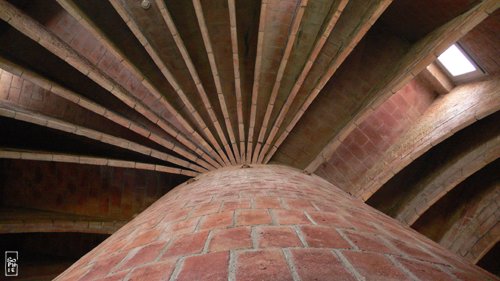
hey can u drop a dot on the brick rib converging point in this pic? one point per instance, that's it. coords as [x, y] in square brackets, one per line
[195, 107]
[204, 89]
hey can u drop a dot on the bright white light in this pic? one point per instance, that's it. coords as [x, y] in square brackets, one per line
[455, 61]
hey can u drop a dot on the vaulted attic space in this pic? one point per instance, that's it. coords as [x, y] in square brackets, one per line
[292, 132]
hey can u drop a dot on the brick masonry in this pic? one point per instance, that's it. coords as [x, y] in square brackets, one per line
[96, 192]
[267, 223]
[24, 94]
[477, 230]
[447, 115]
[367, 143]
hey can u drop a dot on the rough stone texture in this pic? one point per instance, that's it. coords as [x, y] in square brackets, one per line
[366, 243]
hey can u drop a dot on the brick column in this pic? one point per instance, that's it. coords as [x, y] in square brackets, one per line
[266, 223]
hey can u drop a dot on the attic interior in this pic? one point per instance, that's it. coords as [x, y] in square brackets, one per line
[105, 106]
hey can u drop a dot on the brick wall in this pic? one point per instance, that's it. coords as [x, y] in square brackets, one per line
[481, 42]
[368, 142]
[266, 223]
[106, 192]
[341, 97]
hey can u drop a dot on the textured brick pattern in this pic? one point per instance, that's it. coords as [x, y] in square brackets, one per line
[481, 41]
[447, 115]
[20, 220]
[266, 223]
[83, 42]
[22, 93]
[477, 230]
[106, 192]
[339, 96]
[27, 95]
[368, 142]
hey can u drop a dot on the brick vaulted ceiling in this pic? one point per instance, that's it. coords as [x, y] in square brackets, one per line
[106, 105]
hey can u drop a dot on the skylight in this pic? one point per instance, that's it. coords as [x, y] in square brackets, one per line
[456, 62]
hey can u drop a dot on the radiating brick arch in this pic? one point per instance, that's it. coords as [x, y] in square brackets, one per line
[78, 225]
[450, 113]
[448, 179]
[476, 232]
[473, 241]
[454, 219]
[33, 92]
[157, 92]
[29, 102]
[28, 220]
[415, 189]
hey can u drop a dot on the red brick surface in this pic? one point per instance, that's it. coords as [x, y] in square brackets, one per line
[375, 266]
[290, 217]
[367, 242]
[189, 235]
[106, 192]
[447, 115]
[250, 217]
[323, 237]
[262, 265]
[319, 264]
[367, 142]
[233, 238]
[89, 47]
[277, 236]
[25, 94]
[213, 266]
[267, 202]
[425, 271]
[219, 220]
[236, 204]
[187, 244]
[104, 266]
[144, 255]
[156, 271]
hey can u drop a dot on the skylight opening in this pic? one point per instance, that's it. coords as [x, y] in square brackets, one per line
[456, 61]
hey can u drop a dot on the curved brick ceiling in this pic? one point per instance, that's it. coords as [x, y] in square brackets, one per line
[342, 89]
